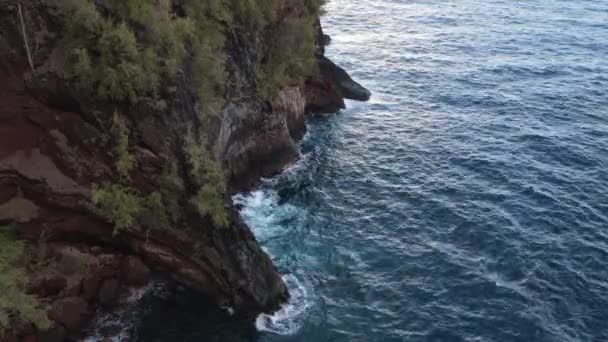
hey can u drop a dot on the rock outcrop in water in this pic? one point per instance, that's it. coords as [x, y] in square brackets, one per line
[56, 145]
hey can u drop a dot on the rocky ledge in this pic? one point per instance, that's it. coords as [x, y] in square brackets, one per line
[55, 145]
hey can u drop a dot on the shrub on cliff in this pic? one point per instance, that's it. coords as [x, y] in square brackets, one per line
[125, 207]
[209, 18]
[120, 205]
[13, 298]
[124, 160]
[113, 60]
[254, 14]
[105, 59]
[171, 189]
[155, 211]
[208, 202]
[313, 7]
[291, 57]
[208, 178]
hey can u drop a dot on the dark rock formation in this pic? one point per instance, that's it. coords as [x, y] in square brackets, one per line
[109, 292]
[47, 285]
[90, 287]
[73, 313]
[348, 88]
[325, 92]
[135, 272]
[335, 81]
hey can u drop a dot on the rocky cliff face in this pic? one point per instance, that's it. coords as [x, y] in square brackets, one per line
[55, 144]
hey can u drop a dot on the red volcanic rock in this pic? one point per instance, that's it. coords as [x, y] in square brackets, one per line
[135, 272]
[47, 285]
[109, 292]
[72, 312]
[90, 287]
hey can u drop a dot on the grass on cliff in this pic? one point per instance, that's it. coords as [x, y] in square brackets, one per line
[14, 302]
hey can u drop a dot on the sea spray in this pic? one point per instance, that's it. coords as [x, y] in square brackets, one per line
[263, 213]
[290, 318]
[121, 324]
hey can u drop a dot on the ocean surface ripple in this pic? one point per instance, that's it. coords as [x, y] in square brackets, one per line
[467, 201]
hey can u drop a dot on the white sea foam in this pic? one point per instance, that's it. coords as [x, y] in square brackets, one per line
[263, 213]
[118, 326]
[289, 319]
[110, 321]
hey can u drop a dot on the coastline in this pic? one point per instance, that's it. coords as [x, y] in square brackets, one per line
[55, 145]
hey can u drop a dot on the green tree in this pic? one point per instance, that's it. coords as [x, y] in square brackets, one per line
[13, 298]
[208, 177]
[120, 205]
[124, 160]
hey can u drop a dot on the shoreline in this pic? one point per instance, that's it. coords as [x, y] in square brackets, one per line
[57, 148]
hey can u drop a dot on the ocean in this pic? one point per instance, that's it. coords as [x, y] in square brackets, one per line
[466, 201]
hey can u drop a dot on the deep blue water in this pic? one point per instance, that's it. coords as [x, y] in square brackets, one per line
[467, 201]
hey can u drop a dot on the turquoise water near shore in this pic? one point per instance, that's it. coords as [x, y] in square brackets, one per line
[467, 201]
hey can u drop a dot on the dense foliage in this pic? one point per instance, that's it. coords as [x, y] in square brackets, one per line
[209, 181]
[123, 50]
[119, 204]
[124, 160]
[126, 51]
[13, 298]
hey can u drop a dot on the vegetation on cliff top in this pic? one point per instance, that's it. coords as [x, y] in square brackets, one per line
[15, 303]
[124, 49]
[127, 51]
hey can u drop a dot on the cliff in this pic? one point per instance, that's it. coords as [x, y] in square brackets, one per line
[106, 181]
